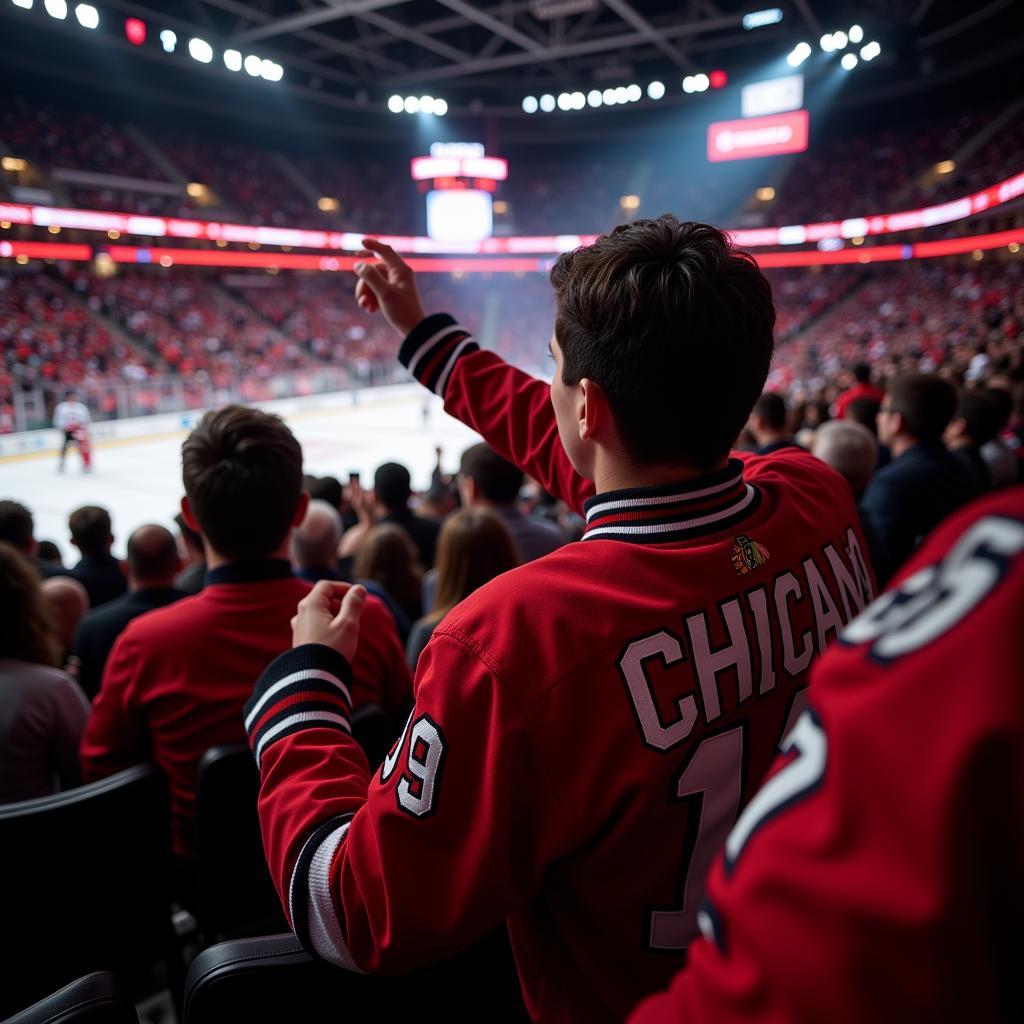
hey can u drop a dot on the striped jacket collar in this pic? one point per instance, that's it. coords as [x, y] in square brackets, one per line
[675, 512]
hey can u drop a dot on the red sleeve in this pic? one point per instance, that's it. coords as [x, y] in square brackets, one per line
[115, 735]
[875, 875]
[381, 672]
[508, 408]
[388, 872]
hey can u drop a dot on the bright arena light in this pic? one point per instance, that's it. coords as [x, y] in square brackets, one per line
[656, 90]
[758, 19]
[870, 52]
[849, 61]
[564, 101]
[25, 5]
[271, 71]
[826, 42]
[839, 40]
[88, 16]
[440, 108]
[701, 82]
[253, 65]
[530, 105]
[426, 104]
[800, 53]
[579, 101]
[547, 103]
[411, 105]
[594, 98]
[856, 34]
[200, 50]
[168, 40]
[395, 104]
[633, 93]
[609, 97]
[621, 94]
[56, 8]
[232, 60]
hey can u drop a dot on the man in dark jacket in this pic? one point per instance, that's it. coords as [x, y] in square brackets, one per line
[98, 571]
[392, 486]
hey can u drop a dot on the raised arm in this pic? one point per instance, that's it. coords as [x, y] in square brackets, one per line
[510, 409]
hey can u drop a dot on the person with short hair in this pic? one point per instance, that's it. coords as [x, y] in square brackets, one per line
[68, 601]
[72, 417]
[97, 570]
[862, 388]
[586, 726]
[977, 420]
[42, 710]
[487, 480]
[768, 424]
[153, 563]
[475, 546]
[392, 488]
[48, 551]
[192, 577]
[850, 449]
[924, 483]
[177, 678]
[17, 528]
[315, 543]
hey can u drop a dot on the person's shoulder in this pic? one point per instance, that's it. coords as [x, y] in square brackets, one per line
[795, 469]
[162, 624]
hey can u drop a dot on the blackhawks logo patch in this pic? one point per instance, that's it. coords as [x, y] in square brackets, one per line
[747, 554]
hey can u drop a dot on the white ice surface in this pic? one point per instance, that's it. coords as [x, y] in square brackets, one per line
[139, 479]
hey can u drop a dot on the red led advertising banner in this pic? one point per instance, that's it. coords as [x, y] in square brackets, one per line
[757, 136]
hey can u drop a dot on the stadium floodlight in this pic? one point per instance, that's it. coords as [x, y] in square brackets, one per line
[839, 40]
[799, 54]
[758, 19]
[411, 105]
[870, 52]
[25, 5]
[827, 43]
[655, 90]
[168, 40]
[621, 94]
[688, 84]
[547, 103]
[426, 104]
[594, 97]
[396, 104]
[856, 34]
[440, 108]
[253, 65]
[609, 97]
[232, 60]
[200, 50]
[56, 8]
[701, 82]
[634, 93]
[579, 101]
[564, 101]
[271, 71]
[88, 16]
[530, 105]
[849, 61]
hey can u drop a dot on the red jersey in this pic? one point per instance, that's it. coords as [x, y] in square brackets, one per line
[177, 678]
[876, 394]
[876, 875]
[586, 727]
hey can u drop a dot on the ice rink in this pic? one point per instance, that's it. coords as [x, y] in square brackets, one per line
[139, 479]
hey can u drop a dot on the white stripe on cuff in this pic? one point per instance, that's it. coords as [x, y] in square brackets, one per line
[302, 716]
[325, 933]
[295, 677]
[450, 365]
[431, 342]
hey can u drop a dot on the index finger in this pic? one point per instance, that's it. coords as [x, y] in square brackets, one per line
[327, 590]
[387, 255]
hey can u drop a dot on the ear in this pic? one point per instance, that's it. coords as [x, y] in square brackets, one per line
[593, 413]
[300, 509]
[186, 514]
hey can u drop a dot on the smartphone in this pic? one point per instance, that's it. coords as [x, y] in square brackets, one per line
[353, 476]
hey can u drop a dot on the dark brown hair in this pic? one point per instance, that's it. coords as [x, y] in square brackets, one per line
[388, 556]
[242, 470]
[676, 326]
[90, 529]
[26, 624]
[474, 546]
[926, 402]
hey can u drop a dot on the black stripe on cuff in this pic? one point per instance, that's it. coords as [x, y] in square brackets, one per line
[300, 659]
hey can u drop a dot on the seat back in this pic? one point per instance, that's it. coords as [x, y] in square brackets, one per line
[97, 998]
[85, 885]
[273, 978]
[235, 893]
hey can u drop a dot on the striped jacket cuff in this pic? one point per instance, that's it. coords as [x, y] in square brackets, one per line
[308, 687]
[432, 349]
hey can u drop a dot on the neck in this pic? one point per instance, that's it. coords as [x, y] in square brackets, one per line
[623, 476]
[135, 585]
[901, 445]
[960, 442]
[214, 559]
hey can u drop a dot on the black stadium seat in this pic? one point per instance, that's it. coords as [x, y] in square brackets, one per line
[85, 886]
[235, 894]
[97, 998]
[273, 979]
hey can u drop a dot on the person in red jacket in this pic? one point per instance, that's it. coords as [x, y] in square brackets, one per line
[861, 388]
[177, 678]
[587, 726]
[876, 874]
